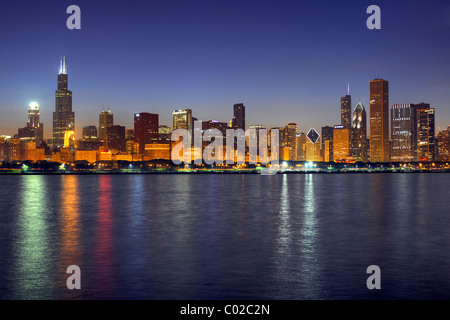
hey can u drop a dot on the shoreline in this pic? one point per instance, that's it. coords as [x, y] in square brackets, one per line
[9, 173]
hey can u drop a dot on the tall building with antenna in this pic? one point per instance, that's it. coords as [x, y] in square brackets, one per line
[105, 120]
[346, 110]
[63, 117]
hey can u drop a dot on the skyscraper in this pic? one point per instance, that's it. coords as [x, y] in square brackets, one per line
[105, 120]
[403, 132]
[238, 116]
[33, 115]
[63, 117]
[342, 143]
[89, 133]
[425, 135]
[129, 134]
[327, 148]
[359, 144]
[444, 145]
[301, 140]
[165, 134]
[312, 151]
[327, 134]
[281, 135]
[115, 138]
[182, 119]
[379, 120]
[89, 139]
[34, 129]
[2, 148]
[291, 140]
[145, 129]
[346, 111]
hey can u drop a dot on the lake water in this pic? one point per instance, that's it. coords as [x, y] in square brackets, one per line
[213, 236]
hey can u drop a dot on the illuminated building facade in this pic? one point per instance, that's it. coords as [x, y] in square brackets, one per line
[300, 152]
[425, 135]
[129, 134]
[69, 139]
[132, 147]
[34, 122]
[146, 128]
[444, 145]
[359, 143]
[313, 151]
[89, 139]
[403, 132]
[281, 136]
[165, 134]
[342, 143]
[2, 148]
[157, 151]
[87, 155]
[301, 147]
[346, 111]
[291, 140]
[34, 129]
[327, 135]
[63, 117]
[89, 133]
[13, 149]
[328, 151]
[28, 150]
[105, 120]
[182, 119]
[379, 120]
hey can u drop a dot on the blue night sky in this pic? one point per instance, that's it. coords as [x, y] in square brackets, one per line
[287, 61]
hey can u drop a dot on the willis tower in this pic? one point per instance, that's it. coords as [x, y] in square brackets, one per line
[63, 117]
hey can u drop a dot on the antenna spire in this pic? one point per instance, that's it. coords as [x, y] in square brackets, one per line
[348, 88]
[62, 65]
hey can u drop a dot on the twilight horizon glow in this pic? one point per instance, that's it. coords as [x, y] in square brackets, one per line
[287, 62]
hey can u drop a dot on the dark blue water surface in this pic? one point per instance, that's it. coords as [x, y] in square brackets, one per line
[212, 236]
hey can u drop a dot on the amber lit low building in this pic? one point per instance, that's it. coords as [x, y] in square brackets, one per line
[342, 143]
[87, 155]
[157, 151]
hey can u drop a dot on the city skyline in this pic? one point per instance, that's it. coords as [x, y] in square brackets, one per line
[220, 153]
[394, 137]
[280, 76]
[105, 116]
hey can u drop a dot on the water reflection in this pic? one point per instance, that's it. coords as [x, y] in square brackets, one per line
[283, 253]
[70, 249]
[308, 243]
[214, 237]
[32, 274]
[284, 227]
[104, 240]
